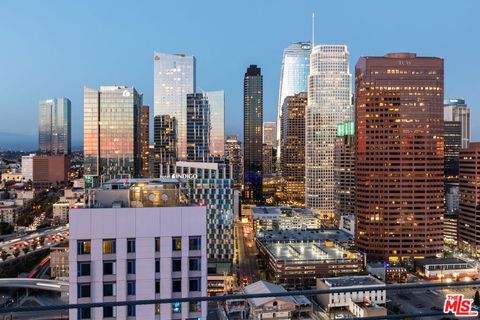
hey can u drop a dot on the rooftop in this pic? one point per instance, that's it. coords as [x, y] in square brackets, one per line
[438, 261]
[351, 281]
[267, 287]
[335, 235]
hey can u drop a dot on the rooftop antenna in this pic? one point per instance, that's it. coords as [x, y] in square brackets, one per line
[313, 29]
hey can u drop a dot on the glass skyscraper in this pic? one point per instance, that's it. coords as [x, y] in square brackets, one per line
[293, 78]
[329, 104]
[174, 78]
[457, 110]
[55, 126]
[111, 133]
[216, 100]
[198, 127]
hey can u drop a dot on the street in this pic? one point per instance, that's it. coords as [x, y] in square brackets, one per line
[247, 253]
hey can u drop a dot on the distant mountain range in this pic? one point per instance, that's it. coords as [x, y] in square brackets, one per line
[25, 142]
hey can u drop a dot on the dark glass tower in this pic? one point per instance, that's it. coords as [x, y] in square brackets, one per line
[165, 144]
[252, 133]
[198, 127]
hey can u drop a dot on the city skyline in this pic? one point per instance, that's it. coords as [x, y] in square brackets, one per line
[115, 64]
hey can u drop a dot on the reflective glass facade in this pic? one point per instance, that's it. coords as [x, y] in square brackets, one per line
[174, 78]
[111, 133]
[293, 78]
[54, 126]
[216, 100]
[198, 127]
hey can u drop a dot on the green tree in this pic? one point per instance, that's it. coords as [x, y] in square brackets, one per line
[476, 299]
[16, 253]
[4, 255]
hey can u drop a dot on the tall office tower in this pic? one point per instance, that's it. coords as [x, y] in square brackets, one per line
[252, 133]
[267, 165]
[344, 165]
[329, 104]
[198, 127]
[233, 155]
[469, 215]
[453, 145]
[269, 134]
[27, 167]
[399, 169]
[111, 122]
[293, 80]
[457, 110]
[55, 126]
[293, 142]
[165, 144]
[145, 141]
[216, 101]
[140, 241]
[174, 78]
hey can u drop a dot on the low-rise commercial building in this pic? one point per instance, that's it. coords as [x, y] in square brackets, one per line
[445, 269]
[50, 170]
[9, 211]
[284, 218]
[59, 264]
[60, 212]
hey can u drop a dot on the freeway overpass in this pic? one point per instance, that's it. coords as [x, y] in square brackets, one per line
[39, 284]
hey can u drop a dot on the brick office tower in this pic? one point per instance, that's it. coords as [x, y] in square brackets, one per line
[399, 156]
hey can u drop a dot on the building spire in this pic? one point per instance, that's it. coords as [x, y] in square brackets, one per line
[313, 29]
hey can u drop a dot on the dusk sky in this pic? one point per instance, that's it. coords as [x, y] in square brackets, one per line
[53, 48]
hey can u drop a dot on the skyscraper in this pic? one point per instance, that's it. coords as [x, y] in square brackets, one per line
[198, 127]
[145, 141]
[269, 129]
[453, 145]
[165, 144]
[344, 165]
[329, 104]
[174, 78]
[55, 126]
[399, 169]
[293, 142]
[252, 133]
[233, 155]
[293, 79]
[111, 118]
[457, 110]
[469, 216]
[216, 101]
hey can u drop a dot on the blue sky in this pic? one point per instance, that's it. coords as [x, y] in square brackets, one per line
[53, 48]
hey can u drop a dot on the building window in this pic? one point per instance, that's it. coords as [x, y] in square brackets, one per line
[194, 284]
[83, 290]
[157, 308]
[108, 312]
[157, 286]
[176, 307]
[195, 264]
[131, 266]
[195, 243]
[84, 313]
[131, 311]
[195, 307]
[83, 269]
[176, 285]
[109, 246]
[131, 288]
[176, 244]
[157, 265]
[176, 265]
[109, 289]
[109, 267]
[157, 244]
[83, 247]
[130, 245]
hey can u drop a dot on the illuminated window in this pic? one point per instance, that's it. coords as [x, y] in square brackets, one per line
[108, 246]
[83, 247]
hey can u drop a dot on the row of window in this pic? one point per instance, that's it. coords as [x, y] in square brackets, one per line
[110, 312]
[109, 246]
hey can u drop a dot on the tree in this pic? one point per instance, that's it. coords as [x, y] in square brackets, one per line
[16, 253]
[4, 255]
[476, 299]
[26, 249]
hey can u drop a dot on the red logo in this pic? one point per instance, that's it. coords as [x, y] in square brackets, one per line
[459, 306]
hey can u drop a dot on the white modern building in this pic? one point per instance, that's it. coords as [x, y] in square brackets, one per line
[284, 218]
[329, 104]
[60, 211]
[27, 167]
[127, 246]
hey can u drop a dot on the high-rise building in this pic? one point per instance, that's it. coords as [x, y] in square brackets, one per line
[216, 101]
[165, 144]
[174, 78]
[457, 110]
[469, 216]
[344, 165]
[144, 244]
[233, 155]
[267, 157]
[198, 127]
[293, 80]
[293, 143]
[55, 126]
[329, 104]
[48, 170]
[453, 145]
[252, 133]
[399, 169]
[145, 141]
[27, 167]
[269, 134]
[111, 118]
